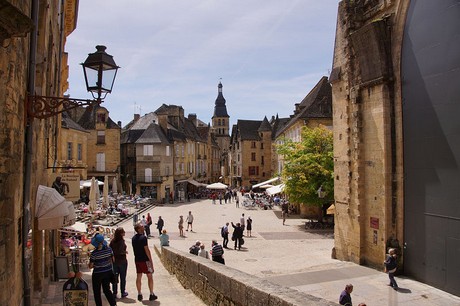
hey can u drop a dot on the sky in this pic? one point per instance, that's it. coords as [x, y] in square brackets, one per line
[268, 54]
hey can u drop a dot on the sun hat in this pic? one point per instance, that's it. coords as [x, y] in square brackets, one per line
[98, 239]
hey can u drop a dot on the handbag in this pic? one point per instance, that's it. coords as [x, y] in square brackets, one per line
[241, 241]
[114, 276]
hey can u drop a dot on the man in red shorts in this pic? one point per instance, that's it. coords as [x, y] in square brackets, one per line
[143, 260]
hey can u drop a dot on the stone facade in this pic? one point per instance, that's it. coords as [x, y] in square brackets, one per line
[29, 63]
[217, 284]
[367, 129]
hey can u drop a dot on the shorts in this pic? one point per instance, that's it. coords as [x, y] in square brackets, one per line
[143, 267]
[189, 222]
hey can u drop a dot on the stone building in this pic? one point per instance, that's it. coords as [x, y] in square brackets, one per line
[29, 64]
[396, 136]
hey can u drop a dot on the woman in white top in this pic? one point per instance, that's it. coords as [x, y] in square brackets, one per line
[202, 252]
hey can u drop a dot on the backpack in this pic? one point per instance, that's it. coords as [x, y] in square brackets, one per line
[194, 249]
[222, 232]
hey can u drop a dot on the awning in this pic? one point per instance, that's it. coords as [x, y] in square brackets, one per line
[53, 210]
[331, 210]
[217, 186]
[266, 182]
[87, 183]
[78, 227]
[275, 189]
[195, 183]
[192, 181]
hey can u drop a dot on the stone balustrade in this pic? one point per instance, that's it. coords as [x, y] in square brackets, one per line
[217, 284]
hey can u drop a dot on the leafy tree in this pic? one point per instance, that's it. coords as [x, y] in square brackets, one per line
[309, 167]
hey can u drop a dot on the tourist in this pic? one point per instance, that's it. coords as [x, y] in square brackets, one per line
[181, 226]
[194, 249]
[390, 267]
[345, 296]
[224, 234]
[242, 222]
[100, 261]
[143, 260]
[249, 227]
[202, 252]
[217, 252]
[189, 221]
[237, 235]
[164, 238]
[147, 226]
[120, 266]
[160, 223]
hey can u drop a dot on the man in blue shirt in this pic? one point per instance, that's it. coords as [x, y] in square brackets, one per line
[345, 296]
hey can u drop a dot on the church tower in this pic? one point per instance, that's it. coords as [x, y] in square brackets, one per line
[221, 121]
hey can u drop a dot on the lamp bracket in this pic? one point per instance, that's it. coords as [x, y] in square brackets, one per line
[42, 107]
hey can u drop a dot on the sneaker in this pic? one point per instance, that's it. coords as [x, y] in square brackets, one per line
[124, 294]
[152, 297]
[139, 297]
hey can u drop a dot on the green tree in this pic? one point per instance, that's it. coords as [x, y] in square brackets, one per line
[308, 170]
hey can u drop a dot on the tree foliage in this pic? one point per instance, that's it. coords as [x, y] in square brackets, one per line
[309, 167]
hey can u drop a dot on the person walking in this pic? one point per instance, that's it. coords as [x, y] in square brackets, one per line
[143, 260]
[202, 252]
[224, 234]
[345, 296]
[249, 227]
[100, 261]
[181, 226]
[390, 267]
[120, 266]
[217, 252]
[189, 221]
[160, 223]
[148, 223]
[237, 201]
[242, 222]
[237, 235]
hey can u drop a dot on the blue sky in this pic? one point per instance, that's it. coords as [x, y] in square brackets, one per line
[268, 54]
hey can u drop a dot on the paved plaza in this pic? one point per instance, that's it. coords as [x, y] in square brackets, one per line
[287, 255]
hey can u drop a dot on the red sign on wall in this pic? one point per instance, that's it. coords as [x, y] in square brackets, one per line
[374, 223]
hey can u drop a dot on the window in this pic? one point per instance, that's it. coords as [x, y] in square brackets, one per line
[100, 162]
[100, 118]
[100, 137]
[148, 175]
[69, 151]
[79, 151]
[148, 150]
[261, 145]
[253, 156]
[218, 122]
[253, 170]
[253, 144]
[168, 149]
[238, 157]
[262, 160]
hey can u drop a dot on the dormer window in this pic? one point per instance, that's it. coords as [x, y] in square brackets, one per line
[101, 118]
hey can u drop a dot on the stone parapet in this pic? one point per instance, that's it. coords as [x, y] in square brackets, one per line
[217, 284]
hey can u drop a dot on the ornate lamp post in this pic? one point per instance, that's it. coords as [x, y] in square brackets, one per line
[100, 71]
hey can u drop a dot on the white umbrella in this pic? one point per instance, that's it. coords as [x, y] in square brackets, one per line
[93, 195]
[266, 186]
[52, 209]
[276, 189]
[88, 183]
[217, 186]
[114, 185]
[105, 194]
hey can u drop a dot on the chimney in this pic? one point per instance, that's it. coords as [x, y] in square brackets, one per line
[136, 117]
[192, 117]
[119, 123]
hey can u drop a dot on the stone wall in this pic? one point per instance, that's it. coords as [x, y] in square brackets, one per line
[217, 284]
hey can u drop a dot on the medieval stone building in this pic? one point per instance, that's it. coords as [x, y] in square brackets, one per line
[396, 136]
[32, 62]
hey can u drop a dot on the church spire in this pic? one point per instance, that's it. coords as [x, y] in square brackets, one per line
[220, 110]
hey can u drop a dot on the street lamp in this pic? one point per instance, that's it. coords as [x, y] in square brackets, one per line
[100, 71]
